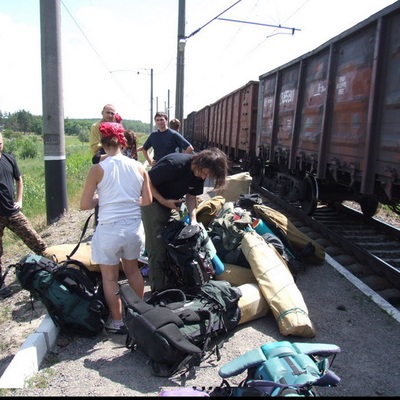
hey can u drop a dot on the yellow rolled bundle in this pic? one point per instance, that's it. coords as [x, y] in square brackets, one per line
[277, 285]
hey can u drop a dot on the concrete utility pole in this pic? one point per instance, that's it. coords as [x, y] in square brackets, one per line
[180, 63]
[53, 112]
[151, 101]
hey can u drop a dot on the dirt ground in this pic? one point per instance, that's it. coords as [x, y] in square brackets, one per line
[103, 366]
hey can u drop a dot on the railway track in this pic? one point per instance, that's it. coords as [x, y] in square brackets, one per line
[367, 248]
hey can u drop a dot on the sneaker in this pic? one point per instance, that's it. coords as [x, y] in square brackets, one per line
[112, 329]
[5, 292]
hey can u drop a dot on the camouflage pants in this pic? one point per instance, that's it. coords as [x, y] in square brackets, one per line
[21, 226]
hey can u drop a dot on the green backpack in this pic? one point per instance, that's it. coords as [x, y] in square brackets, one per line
[69, 291]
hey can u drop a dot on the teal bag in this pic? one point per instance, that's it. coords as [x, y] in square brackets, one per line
[281, 369]
[69, 291]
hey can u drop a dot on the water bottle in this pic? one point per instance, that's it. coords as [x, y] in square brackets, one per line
[261, 227]
[207, 243]
[183, 213]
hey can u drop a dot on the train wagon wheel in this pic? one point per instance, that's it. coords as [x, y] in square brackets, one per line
[369, 207]
[310, 199]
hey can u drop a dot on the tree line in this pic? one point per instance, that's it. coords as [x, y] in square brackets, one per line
[24, 122]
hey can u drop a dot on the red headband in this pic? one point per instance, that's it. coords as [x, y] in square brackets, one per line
[113, 129]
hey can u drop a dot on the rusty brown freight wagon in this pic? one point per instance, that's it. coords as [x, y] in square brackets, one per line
[233, 121]
[324, 127]
[328, 125]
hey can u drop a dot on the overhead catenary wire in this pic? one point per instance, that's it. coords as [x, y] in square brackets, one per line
[209, 22]
[258, 23]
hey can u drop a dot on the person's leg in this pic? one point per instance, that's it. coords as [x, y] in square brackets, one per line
[109, 276]
[3, 224]
[134, 276]
[155, 218]
[105, 252]
[21, 226]
[5, 291]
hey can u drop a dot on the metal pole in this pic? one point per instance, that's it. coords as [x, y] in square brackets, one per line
[180, 62]
[53, 113]
[168, 106]
[151, 100]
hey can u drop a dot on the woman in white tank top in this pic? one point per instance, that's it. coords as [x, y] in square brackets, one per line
[119, 185]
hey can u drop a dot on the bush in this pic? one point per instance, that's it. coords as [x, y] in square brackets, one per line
[28, 149]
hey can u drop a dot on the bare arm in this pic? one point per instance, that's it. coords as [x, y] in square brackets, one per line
[19, 193]
[89, 198]
[146, 196]
[191, 204]
[189, 150]
[147, 157]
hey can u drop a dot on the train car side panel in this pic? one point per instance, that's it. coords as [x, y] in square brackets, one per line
[388, 157]
[201, 128]
[266, 113]
[348, 129]
[313, 111]
[189, 126]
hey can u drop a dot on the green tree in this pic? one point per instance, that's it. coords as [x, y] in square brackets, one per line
[37, 125]
[83, 136]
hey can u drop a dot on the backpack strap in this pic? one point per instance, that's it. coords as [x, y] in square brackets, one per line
[84, 272]
[82, 236]
[3, 276]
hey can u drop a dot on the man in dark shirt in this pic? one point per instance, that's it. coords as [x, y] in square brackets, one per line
[173, 177]
[164, 140]
[11, 216]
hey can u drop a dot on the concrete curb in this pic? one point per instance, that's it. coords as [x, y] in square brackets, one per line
[380, 301]
[27, 361]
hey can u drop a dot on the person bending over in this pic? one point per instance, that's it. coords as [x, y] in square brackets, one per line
[174, 176]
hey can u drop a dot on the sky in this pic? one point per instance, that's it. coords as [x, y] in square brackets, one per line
[109, 48]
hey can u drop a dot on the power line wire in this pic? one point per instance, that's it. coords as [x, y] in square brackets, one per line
[209, 22]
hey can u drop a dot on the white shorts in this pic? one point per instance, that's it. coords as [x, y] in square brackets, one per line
[113, 241]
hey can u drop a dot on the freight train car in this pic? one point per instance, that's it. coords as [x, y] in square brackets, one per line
[327, 123]
[233, 122]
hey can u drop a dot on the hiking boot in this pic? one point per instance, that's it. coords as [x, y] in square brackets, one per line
[5, 292]
[110, 327]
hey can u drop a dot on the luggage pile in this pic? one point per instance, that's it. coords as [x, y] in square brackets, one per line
[258, 253]
[261, 248]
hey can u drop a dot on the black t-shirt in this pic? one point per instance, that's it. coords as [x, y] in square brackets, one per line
[8, 173]
[173, 178]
